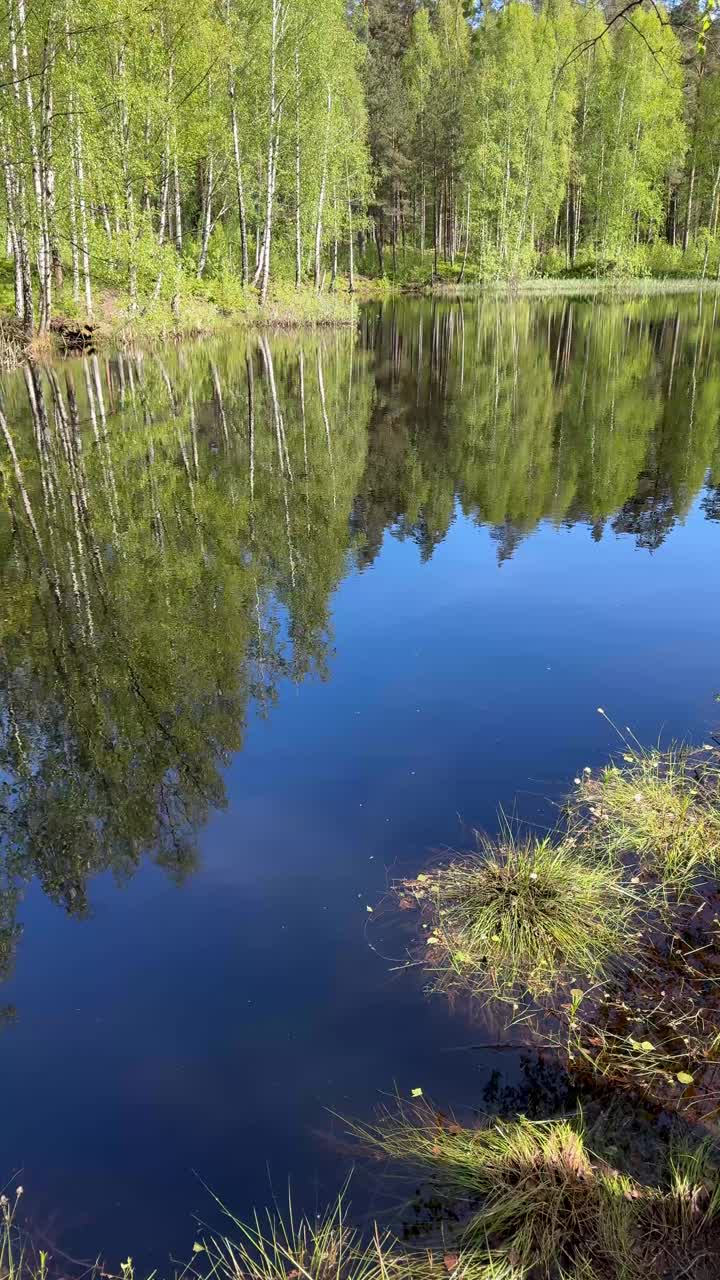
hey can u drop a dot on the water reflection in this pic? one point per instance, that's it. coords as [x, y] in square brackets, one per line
[174, 527]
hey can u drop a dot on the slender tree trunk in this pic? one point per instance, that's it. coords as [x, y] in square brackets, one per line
[79, 172]
[176, 195]
[124, 132]
[74, 257]
[19, 235]
[24, 73]
[266, 249]
[206, 217]
[713, 220]
[435, 215]
[48, 168]
[467, 237]
[689, 209]
[351, 261]
[239, 187]
[298, 225]
[321, 195]
[274, 118]
[333, 273]
[164, 193]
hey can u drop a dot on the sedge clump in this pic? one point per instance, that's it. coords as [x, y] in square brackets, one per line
[522, 915]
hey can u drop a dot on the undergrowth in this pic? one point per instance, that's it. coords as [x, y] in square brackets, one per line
[280, 1246]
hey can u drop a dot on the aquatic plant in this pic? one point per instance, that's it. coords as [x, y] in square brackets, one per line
[655, 1028]
[534, 1197]
[277, 1247]
[660, 807]
[522, 914]
[529, 1193]
[18, 1260]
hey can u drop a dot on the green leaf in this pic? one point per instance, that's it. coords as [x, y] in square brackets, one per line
[647, 1047]
[684, 1077]
[416, 1093]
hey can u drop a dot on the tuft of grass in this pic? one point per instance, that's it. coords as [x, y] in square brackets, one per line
[693, 1200]
[277, 1247]
[531, 1194]
[660, 807]
[535, 1199]
[522, 914]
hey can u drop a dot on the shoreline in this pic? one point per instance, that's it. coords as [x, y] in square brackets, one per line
[292, 310]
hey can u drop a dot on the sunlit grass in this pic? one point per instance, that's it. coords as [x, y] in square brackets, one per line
[662, 808]
[522, 914]
[534, 1197]
[277, 1246]
[530, 1194]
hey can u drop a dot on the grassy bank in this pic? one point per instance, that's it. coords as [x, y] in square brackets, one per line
[218, 306]
[603, 940]
[201, 311]
[518, 1200]
[582, 287]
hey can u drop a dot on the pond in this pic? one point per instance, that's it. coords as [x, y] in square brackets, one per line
[279, 618]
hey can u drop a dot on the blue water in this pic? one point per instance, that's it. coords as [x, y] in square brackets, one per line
[212, 1032]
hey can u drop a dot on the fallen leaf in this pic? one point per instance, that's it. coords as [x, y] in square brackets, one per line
[451, 1260]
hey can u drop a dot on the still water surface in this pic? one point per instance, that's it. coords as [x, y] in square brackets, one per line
[278, 618]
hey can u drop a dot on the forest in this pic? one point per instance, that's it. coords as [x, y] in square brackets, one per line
[154, 155]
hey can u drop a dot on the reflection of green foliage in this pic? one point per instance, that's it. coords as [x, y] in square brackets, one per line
[533, 411]
[169, 547]
[173, 528]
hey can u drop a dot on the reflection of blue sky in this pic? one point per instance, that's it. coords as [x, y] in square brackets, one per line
[208, 1028]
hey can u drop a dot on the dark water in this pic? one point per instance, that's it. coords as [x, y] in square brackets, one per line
[277, 619]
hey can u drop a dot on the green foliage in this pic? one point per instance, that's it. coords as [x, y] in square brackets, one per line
[179, 141]
[262, 144]
[536, 137]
